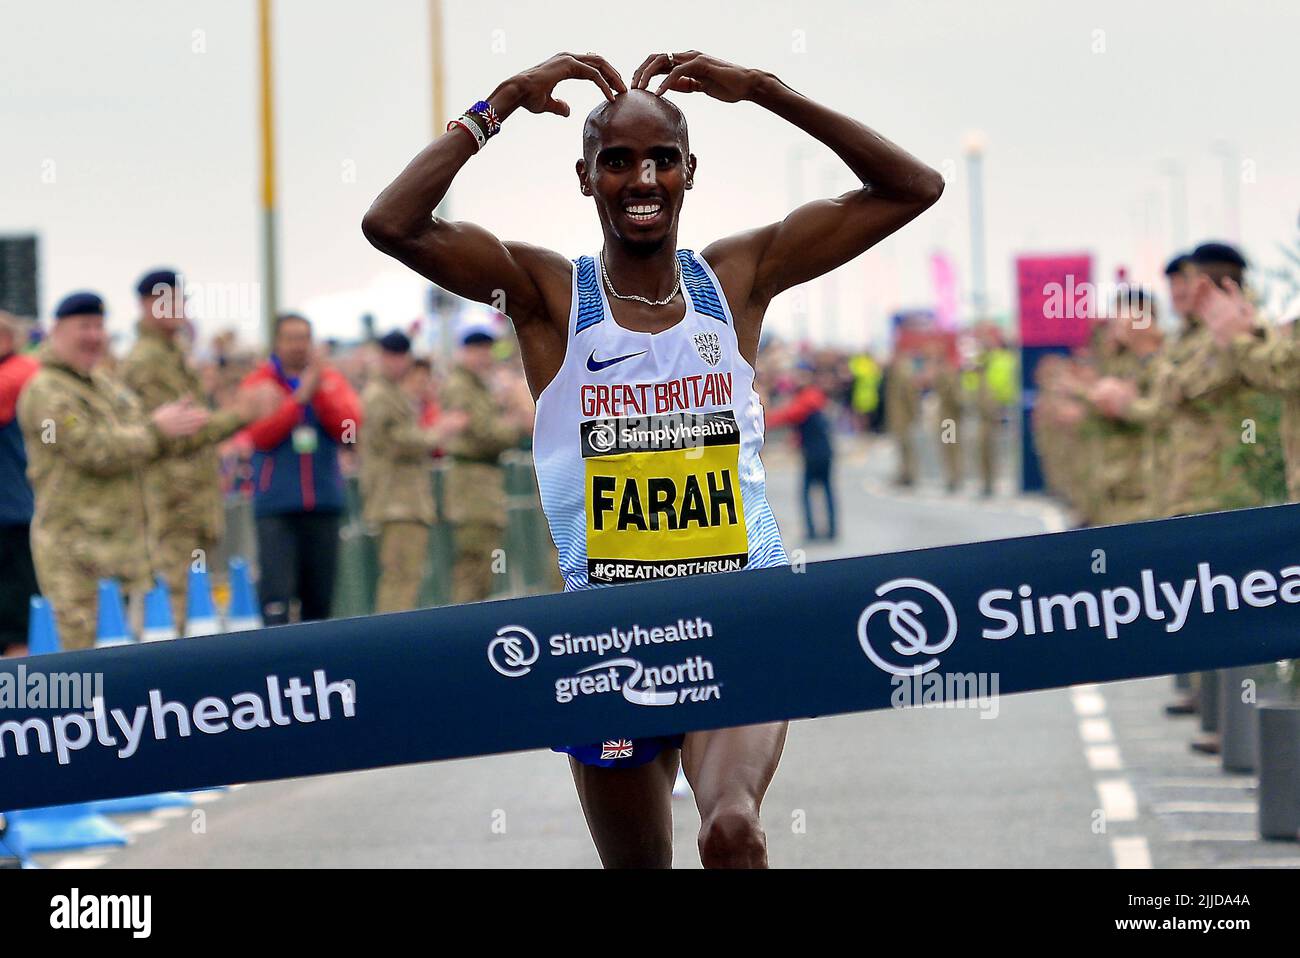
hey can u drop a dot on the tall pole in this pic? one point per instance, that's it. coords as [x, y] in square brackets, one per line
[1173, 171]
[270, 273]
[1231, 191]
[440, 303]
[974, 149]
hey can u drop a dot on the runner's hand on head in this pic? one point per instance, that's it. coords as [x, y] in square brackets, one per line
[696, 72]
[536, 87]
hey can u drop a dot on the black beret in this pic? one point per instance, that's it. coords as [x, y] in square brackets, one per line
[79, 304]
[155, 278]
[1218, 254]
[1176, 264]
[395, 342]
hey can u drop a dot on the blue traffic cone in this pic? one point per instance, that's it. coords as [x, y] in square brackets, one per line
[200, 610]
[243, 614]
[42, 631]
[158, 627]
[158, 624]
[65, 826]
[112, 628]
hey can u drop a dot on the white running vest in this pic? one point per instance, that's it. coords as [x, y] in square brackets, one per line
[647, 444]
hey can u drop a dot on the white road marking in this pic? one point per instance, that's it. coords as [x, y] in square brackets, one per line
[81, 861]
[1224, 836]
[1261, 863]
[1103, 758]
[1222, 808]
[1245, 784]
[1096, 731]
[1130, 852]
[1118, 801]
[1088, 703]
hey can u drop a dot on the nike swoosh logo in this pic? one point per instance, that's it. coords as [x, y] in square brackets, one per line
[596, 365]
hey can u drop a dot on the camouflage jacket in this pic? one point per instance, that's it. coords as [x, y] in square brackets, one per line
[1201, 397]
[182, 488]
[396, 483]
[902, 397]
[1270, 360]
[947, 386]
[1123, 451]
[475, 490]
[87, 441]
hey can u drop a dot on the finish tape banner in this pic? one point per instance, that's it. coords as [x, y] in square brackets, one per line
[644, 659]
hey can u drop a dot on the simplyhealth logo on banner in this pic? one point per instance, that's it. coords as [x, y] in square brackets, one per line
[126, 731]
[515, 650]
[913, 623]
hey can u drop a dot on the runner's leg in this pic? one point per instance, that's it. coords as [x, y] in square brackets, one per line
[729, 771]
[629, 811]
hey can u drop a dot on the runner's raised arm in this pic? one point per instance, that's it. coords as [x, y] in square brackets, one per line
[465, 258]
[817, 237]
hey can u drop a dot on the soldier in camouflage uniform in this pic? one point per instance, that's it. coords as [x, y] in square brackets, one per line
[1123, 451]
[1269, 359]
[88, 441]
[995, 368]
[1201, 395]
[396, 485]
[1199, 392]
[902, 407]
[1057, 419]
[948, 389]
[475, 492]
[183, 501]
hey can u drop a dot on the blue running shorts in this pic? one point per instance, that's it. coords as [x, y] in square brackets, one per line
[622, 752]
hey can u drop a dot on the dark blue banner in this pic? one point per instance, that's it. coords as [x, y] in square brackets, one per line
[912, 628]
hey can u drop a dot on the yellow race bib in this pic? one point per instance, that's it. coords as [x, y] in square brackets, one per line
[663, 496]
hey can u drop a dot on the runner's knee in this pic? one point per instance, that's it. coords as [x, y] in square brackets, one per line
[731, 837]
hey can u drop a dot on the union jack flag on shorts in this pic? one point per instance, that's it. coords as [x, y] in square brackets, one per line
[616, 748]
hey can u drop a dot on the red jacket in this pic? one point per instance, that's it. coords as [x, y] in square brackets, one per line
[287, 479]
[15, 370]
[15, 494]
[805, 402]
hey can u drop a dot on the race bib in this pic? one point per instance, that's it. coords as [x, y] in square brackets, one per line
[663, 496]
[305, 439]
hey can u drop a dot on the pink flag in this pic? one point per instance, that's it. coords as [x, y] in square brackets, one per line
[945, 291]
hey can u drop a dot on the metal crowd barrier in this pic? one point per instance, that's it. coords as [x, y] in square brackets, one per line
[529, 552]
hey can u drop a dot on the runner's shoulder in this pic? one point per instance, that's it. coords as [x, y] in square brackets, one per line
[734, 260]
[551, 273]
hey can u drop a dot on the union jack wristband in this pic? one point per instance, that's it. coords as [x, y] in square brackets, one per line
[470, 125]
[491, 122]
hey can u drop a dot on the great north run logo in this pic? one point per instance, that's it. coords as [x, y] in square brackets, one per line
[913, 622]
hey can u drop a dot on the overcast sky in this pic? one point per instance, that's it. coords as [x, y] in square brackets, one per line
[128, 134]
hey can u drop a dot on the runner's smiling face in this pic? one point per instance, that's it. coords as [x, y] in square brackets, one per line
[638, 166]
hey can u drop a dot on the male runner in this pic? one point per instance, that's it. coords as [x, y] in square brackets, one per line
[647, 330]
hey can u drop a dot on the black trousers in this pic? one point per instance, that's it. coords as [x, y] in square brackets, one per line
[17, 584]
[297, 554]
[817, 472]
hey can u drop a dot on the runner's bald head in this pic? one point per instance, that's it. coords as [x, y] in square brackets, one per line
[638, 111]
